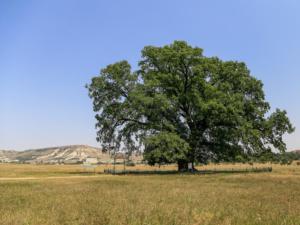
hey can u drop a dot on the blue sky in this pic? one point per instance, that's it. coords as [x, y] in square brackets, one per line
[50, 49]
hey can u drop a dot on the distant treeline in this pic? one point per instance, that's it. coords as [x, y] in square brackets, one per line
[285, 158]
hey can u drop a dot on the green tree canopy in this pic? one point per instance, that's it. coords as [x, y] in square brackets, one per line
[180, 106]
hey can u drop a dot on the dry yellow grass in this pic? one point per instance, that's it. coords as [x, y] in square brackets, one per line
[39, 170]
[224, 199]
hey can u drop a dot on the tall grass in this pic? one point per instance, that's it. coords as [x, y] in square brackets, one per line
[264, 198]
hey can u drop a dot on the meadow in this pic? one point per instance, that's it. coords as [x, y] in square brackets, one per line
[71, 194]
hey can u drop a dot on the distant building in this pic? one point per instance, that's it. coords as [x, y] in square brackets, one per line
[91, 160]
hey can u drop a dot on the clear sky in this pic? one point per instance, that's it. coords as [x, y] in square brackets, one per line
[50, 49]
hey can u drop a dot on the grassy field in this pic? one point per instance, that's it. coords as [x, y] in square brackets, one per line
[45, 194]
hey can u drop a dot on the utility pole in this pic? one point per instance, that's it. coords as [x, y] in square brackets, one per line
[124, 161]
[114, 160]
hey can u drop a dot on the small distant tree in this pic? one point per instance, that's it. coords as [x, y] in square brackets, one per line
[180, 106]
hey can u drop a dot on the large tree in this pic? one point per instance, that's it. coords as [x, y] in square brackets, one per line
[180, 106]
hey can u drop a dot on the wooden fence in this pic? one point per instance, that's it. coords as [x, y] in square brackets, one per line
[211, 171]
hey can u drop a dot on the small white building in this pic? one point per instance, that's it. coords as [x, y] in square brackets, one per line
[91, 160]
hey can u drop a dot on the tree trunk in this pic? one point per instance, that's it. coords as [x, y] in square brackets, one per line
[182, 166]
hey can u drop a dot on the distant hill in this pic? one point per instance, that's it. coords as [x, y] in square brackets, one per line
[296, 151]
[62, 154]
